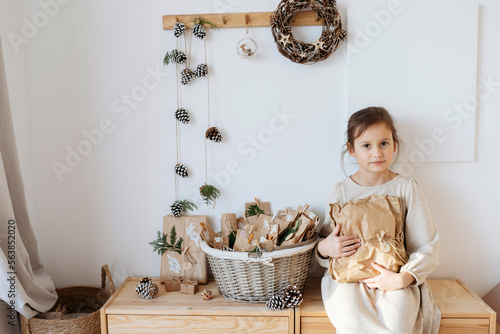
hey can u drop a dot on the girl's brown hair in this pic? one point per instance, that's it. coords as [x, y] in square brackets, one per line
[362, 119]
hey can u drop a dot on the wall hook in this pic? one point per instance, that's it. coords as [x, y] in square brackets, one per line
[246, 19]
[223, 19]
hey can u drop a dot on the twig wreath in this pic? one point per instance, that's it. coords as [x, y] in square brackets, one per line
[301, 52]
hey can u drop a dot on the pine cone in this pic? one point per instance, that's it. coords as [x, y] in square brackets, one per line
[180, 57]
[182, 115]
[213, 134]
[181, 170]
[206, 294]
[176, 209]
[179, 29]
[199, 31]
[275, 303]
[291, 296]
[340, 33]
[186, 76]
[146, 288]
[201, 70]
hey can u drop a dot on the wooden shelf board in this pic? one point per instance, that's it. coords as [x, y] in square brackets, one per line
[239, 20]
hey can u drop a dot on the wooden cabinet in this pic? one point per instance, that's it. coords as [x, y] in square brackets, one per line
[462, 311]
[173, 312]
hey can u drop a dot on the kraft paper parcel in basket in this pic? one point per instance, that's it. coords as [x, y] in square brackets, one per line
[378, 221]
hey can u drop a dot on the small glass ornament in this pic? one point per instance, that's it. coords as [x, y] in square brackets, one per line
[246, 47]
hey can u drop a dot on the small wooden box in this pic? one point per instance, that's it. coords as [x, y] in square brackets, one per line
[462, 311]
[173, 312]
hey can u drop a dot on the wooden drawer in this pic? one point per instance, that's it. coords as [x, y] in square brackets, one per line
[128, 324]
[462, 311]
[173, 312]
[464, 326]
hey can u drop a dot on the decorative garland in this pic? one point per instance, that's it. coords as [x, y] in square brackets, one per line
[302, 52]
[208, 192]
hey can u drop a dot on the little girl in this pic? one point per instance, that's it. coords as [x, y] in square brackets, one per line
[390, 302]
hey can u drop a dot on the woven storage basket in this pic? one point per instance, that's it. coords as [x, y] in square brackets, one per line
[245, 277]
[76, 299]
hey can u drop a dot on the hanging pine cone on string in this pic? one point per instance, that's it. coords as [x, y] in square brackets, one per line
[275, 303]
[181, 170]
[291, 296]
[201, 70]
[199, 31]
[174, 56]
[146, 288]
[182, 115]
[179, 29]
[182, 206]
[180, 57]
[213, 134]
[176, 209]
[186, 76]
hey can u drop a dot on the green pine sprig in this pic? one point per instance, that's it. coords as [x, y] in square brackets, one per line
[161, 245]
[187, 205]
[169, 57]
[253, 210]
[202, 20]
[232, 238]
[289, 230]
[209, 194]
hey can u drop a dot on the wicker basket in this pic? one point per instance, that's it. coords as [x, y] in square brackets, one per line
[256, 277]
[76, 299]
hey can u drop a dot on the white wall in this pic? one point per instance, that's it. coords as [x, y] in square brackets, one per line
[70, 76]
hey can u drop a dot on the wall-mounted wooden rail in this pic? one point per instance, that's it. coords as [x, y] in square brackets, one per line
[240, 20]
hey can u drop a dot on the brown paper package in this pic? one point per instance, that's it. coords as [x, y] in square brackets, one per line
[192, 264]
[378, 221]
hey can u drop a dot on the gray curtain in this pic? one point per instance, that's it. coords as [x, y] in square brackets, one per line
[24, 283]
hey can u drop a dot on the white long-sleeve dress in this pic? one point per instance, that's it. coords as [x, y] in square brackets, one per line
[354, 308]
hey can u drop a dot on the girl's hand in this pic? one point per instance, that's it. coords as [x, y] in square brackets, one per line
[388, 280]
[335, 246]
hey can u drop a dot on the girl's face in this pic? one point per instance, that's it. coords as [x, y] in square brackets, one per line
[374, 149]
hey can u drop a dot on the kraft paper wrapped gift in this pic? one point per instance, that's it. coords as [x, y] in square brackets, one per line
[189, 287]
[188, 261]
[378, 221]
[172, 284]
[264, 206]
[228, 224]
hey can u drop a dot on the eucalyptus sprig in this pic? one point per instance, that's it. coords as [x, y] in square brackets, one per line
[209, 194]
[202, 20]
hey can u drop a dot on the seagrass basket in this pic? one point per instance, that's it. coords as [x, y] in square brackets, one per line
[256, 277]
[77, 299]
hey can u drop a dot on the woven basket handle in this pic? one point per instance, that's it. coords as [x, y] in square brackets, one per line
[106, 273]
